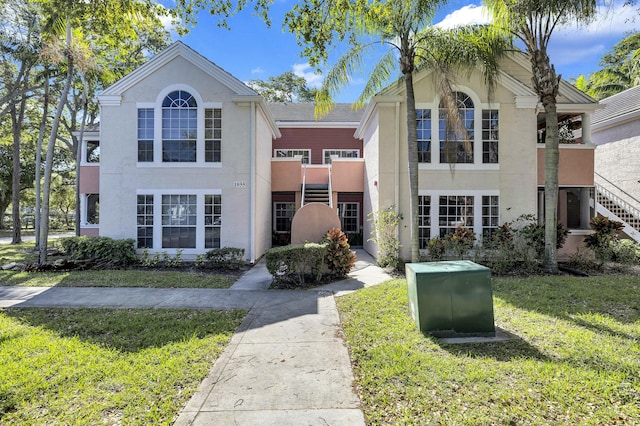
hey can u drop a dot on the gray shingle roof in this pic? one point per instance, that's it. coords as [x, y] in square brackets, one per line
[305, 112]
[620, 104]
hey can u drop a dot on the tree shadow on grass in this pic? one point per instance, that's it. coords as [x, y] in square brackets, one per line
[130, 330]
[512, 348]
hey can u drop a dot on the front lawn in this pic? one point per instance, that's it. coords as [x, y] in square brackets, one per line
[574, 357]
[105, 366]
[155, 278]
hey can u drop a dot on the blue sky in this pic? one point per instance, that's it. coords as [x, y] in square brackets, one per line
[250, 50]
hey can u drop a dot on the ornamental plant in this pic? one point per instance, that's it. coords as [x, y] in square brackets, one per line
[339, 257]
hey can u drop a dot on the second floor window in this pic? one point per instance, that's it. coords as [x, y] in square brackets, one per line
[179, 127]
[305, 154]
[456, 145]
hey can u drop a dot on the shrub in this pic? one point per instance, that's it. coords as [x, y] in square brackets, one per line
[385, 224]
[533, 234]
[230, 258]
[339, 258]
[296, 262]
[605, 231]
[437, 248]
[116, 252]
[583, 259]
[461, 241]
[625, 251]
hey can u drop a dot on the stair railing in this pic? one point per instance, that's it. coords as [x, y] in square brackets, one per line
[623, 204]
[304, 182]
[330, 190]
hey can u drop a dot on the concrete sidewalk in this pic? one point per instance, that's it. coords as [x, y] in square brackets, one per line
[286, 365]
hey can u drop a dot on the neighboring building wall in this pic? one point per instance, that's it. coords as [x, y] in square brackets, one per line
[619, 162]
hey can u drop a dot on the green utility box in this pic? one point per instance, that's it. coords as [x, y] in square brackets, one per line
[448, 299]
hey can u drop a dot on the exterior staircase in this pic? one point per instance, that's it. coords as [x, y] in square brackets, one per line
[627, 210]
[316, 193]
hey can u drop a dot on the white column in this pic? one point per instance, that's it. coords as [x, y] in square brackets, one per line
[586, 128]
[585, 209]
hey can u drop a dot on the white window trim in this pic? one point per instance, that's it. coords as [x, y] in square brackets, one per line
[83, 209]
[477, 207]
[157, 130]
[83, 159]
[478, 107]
[157, 219]
[324, 151]
[308, 151]
[357, 217]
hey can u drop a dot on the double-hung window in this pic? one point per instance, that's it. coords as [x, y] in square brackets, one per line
[423, 127]
[282, 215]
[145, 135]
[212, 220]
[424, 220]
[179, 220]
[145, 221]
[455, 211]
[490, 120]
[349, 217]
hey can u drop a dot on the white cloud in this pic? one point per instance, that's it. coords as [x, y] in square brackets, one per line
[610, 22]
[308, 73]
[257, 70]
[467, 15]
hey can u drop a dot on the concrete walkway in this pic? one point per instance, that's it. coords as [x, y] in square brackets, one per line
[286, 365]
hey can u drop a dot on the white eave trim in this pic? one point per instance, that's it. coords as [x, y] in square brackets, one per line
[371, 107]
[110, 100]
[177, 49]
[318, 124]
[246, 100]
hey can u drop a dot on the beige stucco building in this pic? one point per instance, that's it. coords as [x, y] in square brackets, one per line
[190, 159]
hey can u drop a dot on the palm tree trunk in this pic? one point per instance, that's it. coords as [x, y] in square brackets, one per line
[547, 83]
[412, 146]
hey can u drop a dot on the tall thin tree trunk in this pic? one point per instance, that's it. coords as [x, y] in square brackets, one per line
[547, 83]
[412, 147]
[46, 191]
[17, 118]
[43, 128]
[79, 154]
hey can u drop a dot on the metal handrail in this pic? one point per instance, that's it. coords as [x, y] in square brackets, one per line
[330, 190]
[617, 188]
[304, 182]
[630, 209]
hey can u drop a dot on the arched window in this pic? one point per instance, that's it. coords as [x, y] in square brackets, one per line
[179, 127]
[456, 137]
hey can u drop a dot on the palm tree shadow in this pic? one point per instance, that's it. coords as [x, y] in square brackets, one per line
[511, 348]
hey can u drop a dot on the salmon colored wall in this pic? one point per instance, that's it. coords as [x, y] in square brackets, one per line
[575, 166]
[317, 139]
[285, 174]
[347, 175]
[89, 179]
[317, 174]
[571, 245]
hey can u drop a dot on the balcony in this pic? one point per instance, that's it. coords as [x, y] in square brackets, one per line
[347, 174]
[575, 167]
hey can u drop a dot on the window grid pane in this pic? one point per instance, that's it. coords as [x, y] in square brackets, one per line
[282, 214]
[179, 218]
[424, 220]
[212, 135]
[490, 215]
[454, 211]
[145, 221]
[423, 127]
[349, 217]
[340, 153]
[93, 209]
[490, 136]
[291, 153]
[145, 135]
[212, 220]
[454, 148]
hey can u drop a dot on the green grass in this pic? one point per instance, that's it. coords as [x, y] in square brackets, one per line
[574, 358]
[156, 278]
[117, 278]
[107, 366]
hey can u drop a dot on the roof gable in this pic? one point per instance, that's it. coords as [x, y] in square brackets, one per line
[177, 49]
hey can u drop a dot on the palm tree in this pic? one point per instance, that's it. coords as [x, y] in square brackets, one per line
[533, 23]
[404, 27]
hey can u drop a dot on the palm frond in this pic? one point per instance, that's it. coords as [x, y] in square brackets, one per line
[378, 78]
